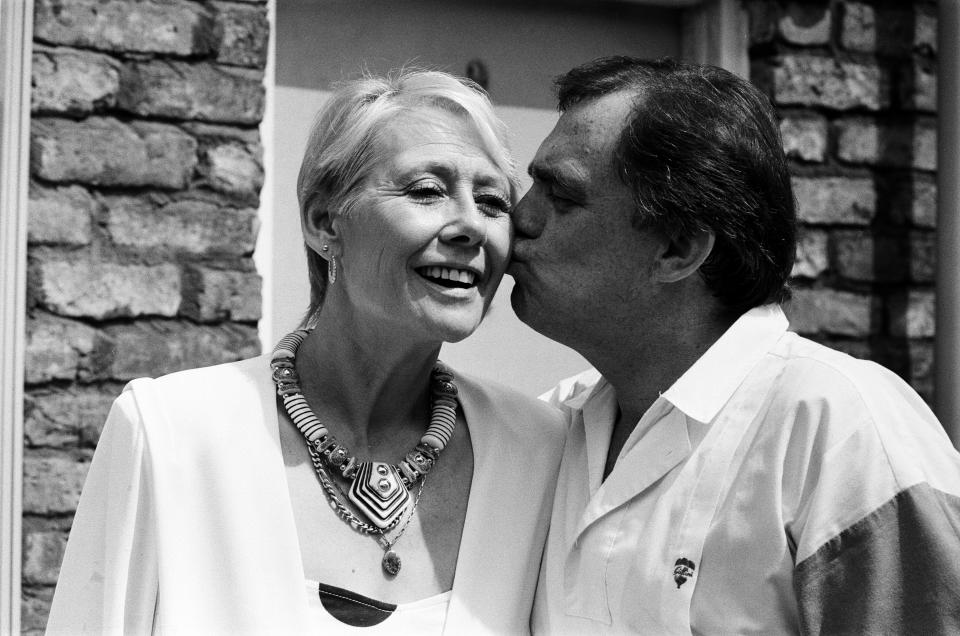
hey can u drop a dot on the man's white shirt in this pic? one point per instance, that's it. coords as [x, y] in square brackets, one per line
[768, 490]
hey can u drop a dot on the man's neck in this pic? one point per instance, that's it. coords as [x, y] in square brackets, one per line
[647, 365]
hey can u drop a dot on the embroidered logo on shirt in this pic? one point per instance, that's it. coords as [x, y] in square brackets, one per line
[683, 570]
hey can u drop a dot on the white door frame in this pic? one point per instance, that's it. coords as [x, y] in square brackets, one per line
[16, 35]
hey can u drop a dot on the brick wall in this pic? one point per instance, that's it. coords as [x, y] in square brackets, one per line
[855, 85]
[146, 167]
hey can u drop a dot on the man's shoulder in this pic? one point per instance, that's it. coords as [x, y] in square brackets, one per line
[811, 370]
[835, 397]
[573, 389]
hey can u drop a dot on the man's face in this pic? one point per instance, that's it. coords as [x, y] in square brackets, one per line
[580, 266]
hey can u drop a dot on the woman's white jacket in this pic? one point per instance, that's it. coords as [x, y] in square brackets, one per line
[185, 524]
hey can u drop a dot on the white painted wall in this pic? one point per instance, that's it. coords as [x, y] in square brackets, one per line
[523, 45]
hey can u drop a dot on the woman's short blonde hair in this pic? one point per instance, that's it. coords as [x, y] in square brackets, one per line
[341, 150]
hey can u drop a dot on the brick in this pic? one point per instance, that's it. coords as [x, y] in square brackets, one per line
[183, 226]
[886, 30]
[217, 295]
[912, 314]
[102, 151]
[103, 290]
[925, 31]
[911, 201]
[34, 608]
[861, 256]
[762, 17]
[861, 141]
[233, 168]
[828, 200]
[153, 348]
[859, 349]
[192, 91]
[56, 348]
[918, 85]
[921, 359]
[60, 216]
[923, 257]
[806, 23]
[804, 137]
[175, 27]
[923, 208]
[811, 80]
[67, 416]
[73, 82]
[212, 134]
[812, 258]
[42, 554]
[832, 312]
[246, 34]
[52, 483]
[858, 27]
[924, 146]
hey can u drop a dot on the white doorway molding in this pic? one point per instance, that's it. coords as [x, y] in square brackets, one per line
[16, 33]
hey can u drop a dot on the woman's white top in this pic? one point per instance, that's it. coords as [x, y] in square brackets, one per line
[185, 524]
[426, 616]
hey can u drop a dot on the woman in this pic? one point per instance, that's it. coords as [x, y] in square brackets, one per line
[346, 479]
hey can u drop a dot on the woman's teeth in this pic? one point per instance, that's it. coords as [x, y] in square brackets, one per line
[449, 274]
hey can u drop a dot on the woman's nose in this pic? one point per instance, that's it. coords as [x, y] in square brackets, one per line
[468, 225]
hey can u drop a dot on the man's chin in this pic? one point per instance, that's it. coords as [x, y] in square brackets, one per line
[518, 300]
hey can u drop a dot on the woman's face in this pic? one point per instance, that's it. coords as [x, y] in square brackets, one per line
[425, 246]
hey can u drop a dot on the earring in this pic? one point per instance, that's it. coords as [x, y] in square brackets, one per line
[331, 265]
[332, 270]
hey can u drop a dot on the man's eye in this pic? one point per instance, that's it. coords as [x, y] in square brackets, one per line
[561, 200]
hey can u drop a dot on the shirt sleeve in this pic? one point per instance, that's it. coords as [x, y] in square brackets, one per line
[879, 534]
[897, 571]
[108, 579]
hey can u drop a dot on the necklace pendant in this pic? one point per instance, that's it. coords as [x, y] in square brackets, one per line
[379, 494]
[391, 562]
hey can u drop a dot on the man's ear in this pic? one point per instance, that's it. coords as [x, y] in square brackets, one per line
[319, 228]
[683, 255]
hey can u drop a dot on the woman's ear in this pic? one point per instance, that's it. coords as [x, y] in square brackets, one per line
[682, 256]
[319, 228]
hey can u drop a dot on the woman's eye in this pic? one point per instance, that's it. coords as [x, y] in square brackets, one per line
[492, 204]
[425, 191]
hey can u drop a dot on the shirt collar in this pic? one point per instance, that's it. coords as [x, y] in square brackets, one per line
[706, 386]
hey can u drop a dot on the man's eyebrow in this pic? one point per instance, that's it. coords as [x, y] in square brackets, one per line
[555, 176]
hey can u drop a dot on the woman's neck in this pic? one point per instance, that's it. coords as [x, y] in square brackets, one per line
[368, 385]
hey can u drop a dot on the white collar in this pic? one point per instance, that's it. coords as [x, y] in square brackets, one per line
[707, 385]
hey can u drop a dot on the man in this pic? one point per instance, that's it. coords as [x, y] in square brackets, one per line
[721, 474]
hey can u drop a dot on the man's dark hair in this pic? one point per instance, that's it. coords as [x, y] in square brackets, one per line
[702, 151]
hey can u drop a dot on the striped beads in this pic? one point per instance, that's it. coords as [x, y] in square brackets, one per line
[303, 417]
[325, 448]
[442, 422]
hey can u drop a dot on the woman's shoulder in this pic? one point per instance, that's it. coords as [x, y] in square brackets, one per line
[201, 397]
[219, 376]
[206, 383]
[493, 399]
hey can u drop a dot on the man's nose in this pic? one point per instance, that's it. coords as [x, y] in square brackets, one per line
[528, 220]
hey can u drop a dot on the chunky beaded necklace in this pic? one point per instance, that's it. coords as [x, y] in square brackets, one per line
[380, 491]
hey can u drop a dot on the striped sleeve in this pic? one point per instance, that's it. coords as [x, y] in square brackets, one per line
[896, 571]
